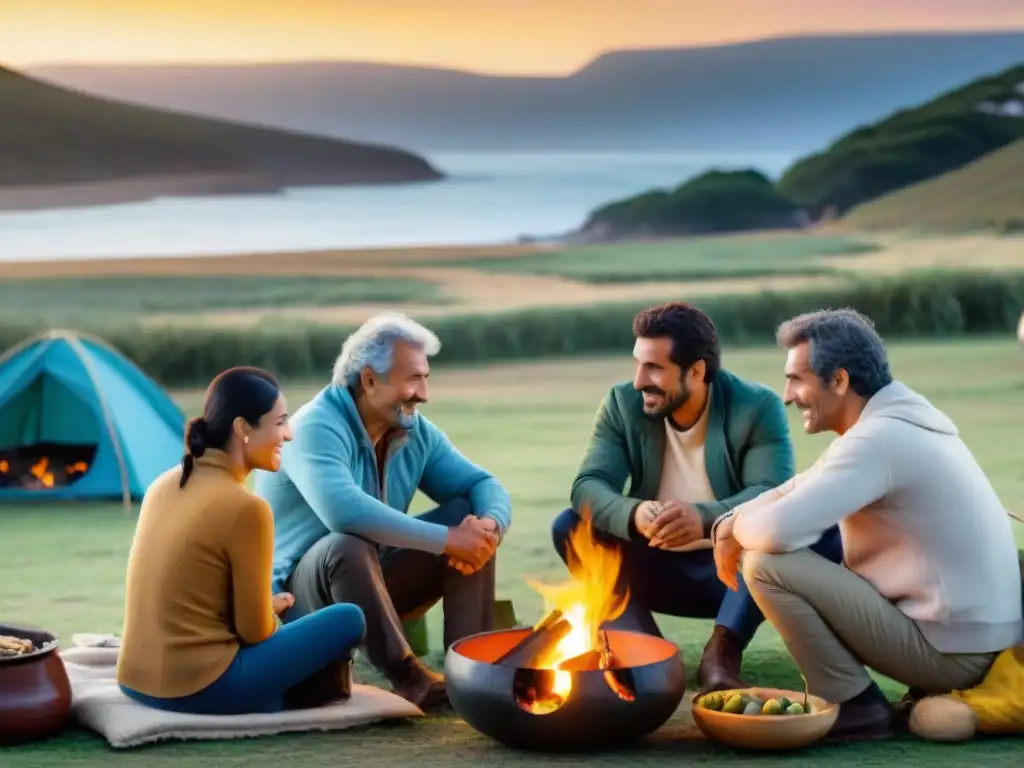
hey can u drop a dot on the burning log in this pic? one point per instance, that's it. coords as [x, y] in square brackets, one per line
[551, 630]
[44, 466]
[590, 661]
[608, 660]
[593, 660]
[536, 690]
[609, 664]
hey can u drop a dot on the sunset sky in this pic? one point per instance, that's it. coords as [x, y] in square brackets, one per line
[524, 36]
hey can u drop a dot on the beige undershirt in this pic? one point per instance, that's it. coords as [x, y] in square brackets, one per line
[684, 476]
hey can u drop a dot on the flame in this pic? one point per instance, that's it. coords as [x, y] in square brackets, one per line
[586, 601]
[43, 471]
[40, 470]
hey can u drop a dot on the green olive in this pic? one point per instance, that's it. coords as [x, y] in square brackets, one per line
[772, 707]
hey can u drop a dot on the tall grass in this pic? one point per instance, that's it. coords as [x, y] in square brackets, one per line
[694, 259]
[118, 297]
[938, 304]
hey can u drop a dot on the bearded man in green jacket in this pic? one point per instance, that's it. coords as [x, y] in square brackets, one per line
[693, 441]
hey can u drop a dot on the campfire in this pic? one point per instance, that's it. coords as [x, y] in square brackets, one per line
[567, 683]
[569, 638]
[44, 466]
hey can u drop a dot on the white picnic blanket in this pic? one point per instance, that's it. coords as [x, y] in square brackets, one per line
[99, 704]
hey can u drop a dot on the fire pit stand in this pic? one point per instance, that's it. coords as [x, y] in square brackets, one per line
[602, 707]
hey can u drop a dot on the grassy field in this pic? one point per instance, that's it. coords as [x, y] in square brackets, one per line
[95, 299]
[346, 287]
[704, 258]
[985, 194]
[63, 567]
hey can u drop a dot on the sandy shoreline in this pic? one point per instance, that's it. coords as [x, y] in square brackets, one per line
[141, 189]
[145, 188]
[332, 261]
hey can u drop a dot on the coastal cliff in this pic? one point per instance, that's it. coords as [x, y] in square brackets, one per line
[61, 147]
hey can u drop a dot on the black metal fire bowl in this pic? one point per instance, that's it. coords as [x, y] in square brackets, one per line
[592, 716]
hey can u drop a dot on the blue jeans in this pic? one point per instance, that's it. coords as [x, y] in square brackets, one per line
[261, 675]
[682, 584]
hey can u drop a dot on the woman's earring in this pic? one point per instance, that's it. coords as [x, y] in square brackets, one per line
[245, 439]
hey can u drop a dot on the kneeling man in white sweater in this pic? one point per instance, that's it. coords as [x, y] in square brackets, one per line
[929, 591]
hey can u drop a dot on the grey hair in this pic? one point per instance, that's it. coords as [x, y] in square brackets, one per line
[373, 345]
[841, 338]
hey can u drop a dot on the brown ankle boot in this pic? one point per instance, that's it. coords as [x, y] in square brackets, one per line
[417, 683]
[720, 665]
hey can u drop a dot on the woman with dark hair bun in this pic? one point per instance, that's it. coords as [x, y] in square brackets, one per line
[201, 633]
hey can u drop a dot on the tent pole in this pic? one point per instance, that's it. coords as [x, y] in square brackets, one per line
[126, 495]
[23, 344]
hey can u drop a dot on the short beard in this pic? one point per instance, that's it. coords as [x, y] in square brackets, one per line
[672, 405]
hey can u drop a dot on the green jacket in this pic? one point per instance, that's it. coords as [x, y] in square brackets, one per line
[747, 451]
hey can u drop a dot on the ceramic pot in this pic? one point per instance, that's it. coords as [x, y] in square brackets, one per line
[35, 693]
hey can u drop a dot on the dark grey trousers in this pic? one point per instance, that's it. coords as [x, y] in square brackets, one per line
[394, 585]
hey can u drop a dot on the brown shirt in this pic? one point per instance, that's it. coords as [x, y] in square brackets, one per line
[198, 581]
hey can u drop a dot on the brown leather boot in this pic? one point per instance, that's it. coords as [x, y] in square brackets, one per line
[866, 717]
[417, 683]
[720, 665]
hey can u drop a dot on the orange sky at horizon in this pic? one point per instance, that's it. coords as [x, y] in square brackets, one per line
[495, 36]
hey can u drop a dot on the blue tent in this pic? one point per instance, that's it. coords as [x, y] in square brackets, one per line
[79, 421]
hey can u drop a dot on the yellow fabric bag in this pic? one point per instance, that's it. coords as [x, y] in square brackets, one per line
[995, 706]
[998, 700]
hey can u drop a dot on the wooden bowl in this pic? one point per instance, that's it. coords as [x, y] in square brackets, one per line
[768, 732]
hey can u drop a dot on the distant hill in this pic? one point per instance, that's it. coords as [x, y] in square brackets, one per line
[51, 136]
[717, 201]
[783, 94]
[987, 193]
[912, 145]
[889, 163]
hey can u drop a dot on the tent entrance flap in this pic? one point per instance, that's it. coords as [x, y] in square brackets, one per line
[49, 436]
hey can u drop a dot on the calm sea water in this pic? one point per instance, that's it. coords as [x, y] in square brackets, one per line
[488, 198]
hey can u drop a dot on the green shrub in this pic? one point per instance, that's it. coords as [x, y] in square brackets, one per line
[935, 304]
[716, 201]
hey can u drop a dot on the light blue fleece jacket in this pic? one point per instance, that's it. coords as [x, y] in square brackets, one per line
[328, 483]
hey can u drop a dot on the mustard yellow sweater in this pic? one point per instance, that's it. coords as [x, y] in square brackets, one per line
[198, 580]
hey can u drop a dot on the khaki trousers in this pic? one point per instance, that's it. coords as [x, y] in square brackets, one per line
[834, 624]
[392, 586]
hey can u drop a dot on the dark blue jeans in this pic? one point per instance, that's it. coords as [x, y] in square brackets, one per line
[682, 584]
[261, 675]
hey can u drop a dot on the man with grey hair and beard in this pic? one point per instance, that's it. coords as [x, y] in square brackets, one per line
[929, 591]
[360, 451]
